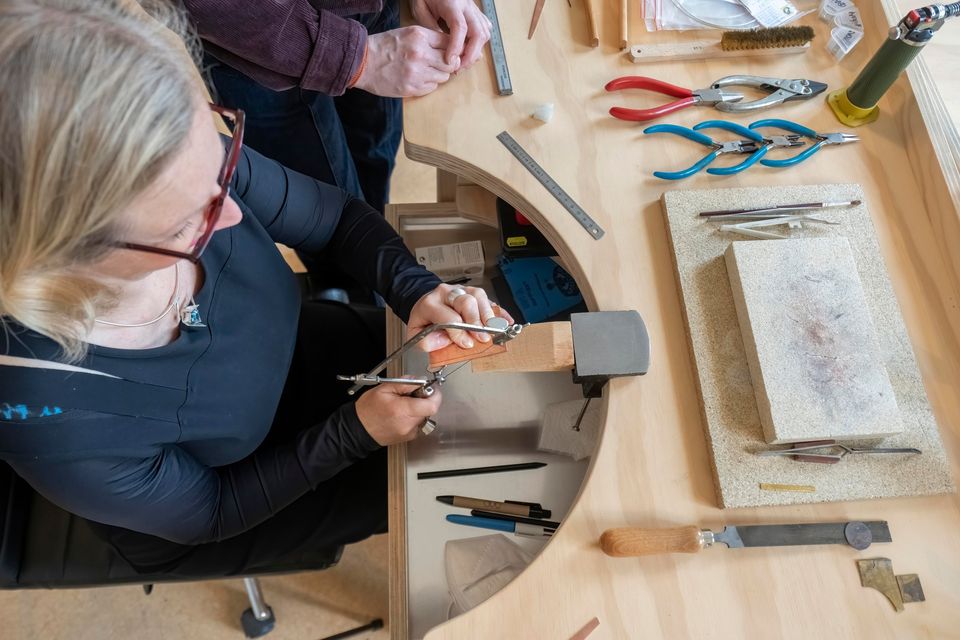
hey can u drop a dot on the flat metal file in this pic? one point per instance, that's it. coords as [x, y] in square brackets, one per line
[636, 541]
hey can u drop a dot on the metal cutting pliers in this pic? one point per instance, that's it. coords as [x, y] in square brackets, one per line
[756, 145]
[821, 140]
[781, 90]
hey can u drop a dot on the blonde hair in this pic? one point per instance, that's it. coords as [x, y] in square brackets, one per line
[96, 103]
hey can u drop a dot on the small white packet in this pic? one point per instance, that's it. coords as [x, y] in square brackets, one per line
[770, 13]
[842, 41]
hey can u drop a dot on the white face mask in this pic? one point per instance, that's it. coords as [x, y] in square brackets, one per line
[479, 567]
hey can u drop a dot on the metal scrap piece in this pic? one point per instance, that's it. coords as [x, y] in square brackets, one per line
[910, 588]
[877, 573]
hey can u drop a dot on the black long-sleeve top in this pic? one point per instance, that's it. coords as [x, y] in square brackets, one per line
[170, 447]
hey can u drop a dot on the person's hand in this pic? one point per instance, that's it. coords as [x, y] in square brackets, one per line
[449, 303]
[469, 27]
[390, 415]
[406, 62]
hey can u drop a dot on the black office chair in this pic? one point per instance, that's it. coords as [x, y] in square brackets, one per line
[45, 547]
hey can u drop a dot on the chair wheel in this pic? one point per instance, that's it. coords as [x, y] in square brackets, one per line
[254, 628]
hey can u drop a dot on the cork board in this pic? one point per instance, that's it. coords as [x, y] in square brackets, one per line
[728, 402]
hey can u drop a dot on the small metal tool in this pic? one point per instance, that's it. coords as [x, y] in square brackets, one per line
[749, 228]
[781, 90]
[369, 381]
[830, 451]
[583, 412]
[782, 209]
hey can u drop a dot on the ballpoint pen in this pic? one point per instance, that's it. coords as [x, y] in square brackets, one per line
[526, 509]
[518, 528]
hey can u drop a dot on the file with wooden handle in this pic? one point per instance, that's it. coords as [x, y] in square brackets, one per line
[638, 541]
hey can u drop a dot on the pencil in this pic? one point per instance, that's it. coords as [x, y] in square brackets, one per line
[449, 473]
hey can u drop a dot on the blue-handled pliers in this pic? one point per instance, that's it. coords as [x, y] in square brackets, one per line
[754, 145]
[822, 139]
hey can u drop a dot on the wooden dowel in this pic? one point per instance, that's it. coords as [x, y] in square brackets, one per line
[592, 23]
[624, 25]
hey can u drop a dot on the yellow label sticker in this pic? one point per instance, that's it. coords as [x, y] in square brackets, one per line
[517, 241]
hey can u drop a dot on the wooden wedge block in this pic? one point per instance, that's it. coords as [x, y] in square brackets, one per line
[547, 346]
[453, 353]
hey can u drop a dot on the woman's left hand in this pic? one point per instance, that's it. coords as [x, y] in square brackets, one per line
[452, 303]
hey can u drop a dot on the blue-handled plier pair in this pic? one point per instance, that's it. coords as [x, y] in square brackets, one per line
[755, 145]
[820, 140]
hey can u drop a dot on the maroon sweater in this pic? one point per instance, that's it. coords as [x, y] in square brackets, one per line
[286, 43]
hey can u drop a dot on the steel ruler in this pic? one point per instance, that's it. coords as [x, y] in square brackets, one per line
[504, 86]
[551, 186]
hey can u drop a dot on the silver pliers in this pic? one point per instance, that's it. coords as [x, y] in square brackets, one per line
[781, 90]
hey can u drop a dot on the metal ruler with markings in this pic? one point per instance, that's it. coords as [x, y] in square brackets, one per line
[551, 186]
[504, 86]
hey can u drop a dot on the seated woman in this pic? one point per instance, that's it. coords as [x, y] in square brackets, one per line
[159, 375]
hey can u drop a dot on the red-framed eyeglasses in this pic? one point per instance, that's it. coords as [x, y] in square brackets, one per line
[212, 213]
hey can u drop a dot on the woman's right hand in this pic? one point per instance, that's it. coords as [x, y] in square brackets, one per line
[390, 414]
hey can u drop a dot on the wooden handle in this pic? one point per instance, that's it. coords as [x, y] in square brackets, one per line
[624, 25]
[636, 541]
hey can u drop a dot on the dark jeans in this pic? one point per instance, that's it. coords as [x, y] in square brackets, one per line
[350, 140]
[332, 338]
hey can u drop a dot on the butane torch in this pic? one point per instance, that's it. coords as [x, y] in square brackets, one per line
[857, 104]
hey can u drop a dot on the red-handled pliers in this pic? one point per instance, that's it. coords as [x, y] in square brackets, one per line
[688, 97]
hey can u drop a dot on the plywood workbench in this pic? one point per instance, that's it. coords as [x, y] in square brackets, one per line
[651, 467]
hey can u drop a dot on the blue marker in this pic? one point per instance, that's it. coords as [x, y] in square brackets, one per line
[517, 528]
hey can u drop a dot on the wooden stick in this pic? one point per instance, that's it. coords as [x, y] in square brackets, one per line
[701, 50]
[537, 9]
[592, 23]
[636, 541]
[586, 629]
[624, 25]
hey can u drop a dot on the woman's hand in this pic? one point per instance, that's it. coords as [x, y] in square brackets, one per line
[390, 415]
[452, 303]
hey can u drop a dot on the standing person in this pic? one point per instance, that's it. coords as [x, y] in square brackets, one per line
[160, 376]
[321, 91]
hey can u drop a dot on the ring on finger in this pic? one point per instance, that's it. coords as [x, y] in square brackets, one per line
[455, 293]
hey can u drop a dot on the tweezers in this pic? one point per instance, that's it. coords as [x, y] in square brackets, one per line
[828, 451]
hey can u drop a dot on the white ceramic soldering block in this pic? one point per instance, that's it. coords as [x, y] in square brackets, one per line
[811, 344]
